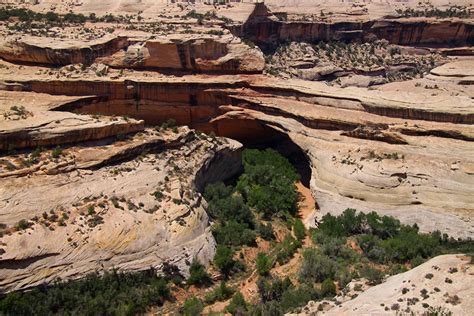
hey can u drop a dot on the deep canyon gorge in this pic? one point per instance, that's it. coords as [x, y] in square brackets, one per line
[113, 127]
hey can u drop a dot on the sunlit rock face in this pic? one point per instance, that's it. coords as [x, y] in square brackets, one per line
[90, 182]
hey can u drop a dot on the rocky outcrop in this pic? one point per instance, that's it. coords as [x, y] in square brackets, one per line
[32, 124]
[35, 50]
[205, 53]
[404, 153]
[442, 283]
[141, 211]
[262, 27]
[203, 94]
[178, 53]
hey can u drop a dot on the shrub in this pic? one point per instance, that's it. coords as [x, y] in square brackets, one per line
[408, 244]
[299, 230]
[273, 289]
[170, 123]
[224, 259]
[23, 224]
[198, 275]
[158, 195]
[192, 307]
[272, 308]
[316, 267]
[172, 273]
[328, 288]
[266, 231]
[221, 293]
[297, 297]
[238, 305]
[334, 247]
[373, 275]
[417, 261]
[57, 152]
[263, 263]
[233, 233]
[437, 311]
[286, 249]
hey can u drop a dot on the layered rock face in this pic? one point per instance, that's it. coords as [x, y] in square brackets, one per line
[388, 151]
[129, 204]
[203, 54]
[180, 53]
[263, 27]
[89, 182]
[36, 50]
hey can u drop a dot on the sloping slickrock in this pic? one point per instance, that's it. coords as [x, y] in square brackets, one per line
[140, 212]
[446, 279]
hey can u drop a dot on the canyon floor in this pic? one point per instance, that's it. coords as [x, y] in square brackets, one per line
[111, 127]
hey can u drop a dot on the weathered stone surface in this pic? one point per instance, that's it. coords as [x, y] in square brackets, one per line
[113, 217]
[191, 53]
[404, 290]
[40, 127]
[346, 133]
[58, 52]
[199, 53]
[263, 27]
[117, 194]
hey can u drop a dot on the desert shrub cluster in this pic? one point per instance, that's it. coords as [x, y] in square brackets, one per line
[112, 293]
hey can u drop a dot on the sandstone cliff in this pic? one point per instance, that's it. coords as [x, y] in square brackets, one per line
[179, 53]
[141, 211]
[263, 27]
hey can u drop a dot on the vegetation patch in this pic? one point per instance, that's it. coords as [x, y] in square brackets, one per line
[113, 293]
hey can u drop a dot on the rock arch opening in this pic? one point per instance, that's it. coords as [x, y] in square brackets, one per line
[203, 117]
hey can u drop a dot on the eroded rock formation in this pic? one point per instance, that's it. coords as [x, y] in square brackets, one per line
[89, 182]
[181, 53]
[129, 204]
[263, 27]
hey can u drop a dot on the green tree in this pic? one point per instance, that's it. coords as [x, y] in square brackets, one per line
[237, 305]
[328, 288]
[233, 233]
[268, 182]
[198, 275]
[273, 289]
[224, 259]
[266, 231]
[264, 264]
[224, 205]
[192, 307]
[221, 293]
[299, 230]
[297, 297]
[316, 267]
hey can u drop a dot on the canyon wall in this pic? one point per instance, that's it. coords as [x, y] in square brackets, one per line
[264, 28]
[206, 53]
[177, 53]
[36, 51]
[207, 96]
